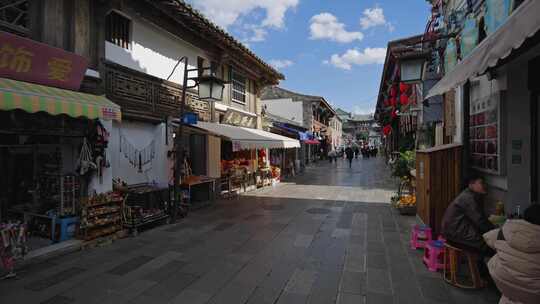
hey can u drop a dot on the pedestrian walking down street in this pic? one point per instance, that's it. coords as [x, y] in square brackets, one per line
[349, 152]
[356, 151]
[332, 156]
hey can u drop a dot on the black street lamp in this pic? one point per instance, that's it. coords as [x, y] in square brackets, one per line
[210, 88]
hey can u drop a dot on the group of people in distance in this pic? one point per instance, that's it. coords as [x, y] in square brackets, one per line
[513, 250]
[353, 152]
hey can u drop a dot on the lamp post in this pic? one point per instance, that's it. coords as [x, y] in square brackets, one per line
[411, 69]
[210, 88]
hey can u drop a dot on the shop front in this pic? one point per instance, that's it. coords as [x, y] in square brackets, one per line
[496, 87]
[53, 154]
[54, 151]
[290, 160]
[245, 155]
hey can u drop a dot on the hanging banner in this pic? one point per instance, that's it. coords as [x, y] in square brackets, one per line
[469, 36]
[31, 61]
[450, 55]
[497, 11]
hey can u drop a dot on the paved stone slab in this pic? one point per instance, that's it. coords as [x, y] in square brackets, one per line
[191, 297]
[378, 281]
[347, 298]
[303, 240]
[58, 300]
[375, 260]
[377, 298]
[54, 279]
[353, 282]
[325, 287]
[301, 282]
[130, 265]
[171, 287]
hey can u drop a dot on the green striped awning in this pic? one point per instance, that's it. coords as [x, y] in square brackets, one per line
[34, 98]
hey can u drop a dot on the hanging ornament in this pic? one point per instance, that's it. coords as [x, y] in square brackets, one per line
[393, 102]
[394, 113]
[393, 91]
[404, 99]
[387, 130]
[403, 87]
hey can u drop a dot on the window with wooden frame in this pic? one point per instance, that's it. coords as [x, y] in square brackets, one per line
[118, 29]
[14, 17]
[238, 87]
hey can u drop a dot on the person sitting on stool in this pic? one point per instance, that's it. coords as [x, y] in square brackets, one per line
[464, 221]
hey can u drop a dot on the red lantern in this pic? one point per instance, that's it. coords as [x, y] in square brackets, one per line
[386, 102]
[394, 113]
[403, 99]
[393, 91]
[387, 130]
[403, 87]
[393, 102]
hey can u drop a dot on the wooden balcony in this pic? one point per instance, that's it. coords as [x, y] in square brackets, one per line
[146, 97]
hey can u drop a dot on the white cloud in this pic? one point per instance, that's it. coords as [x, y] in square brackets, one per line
[327, 26]
[226, 12]
[355, 57]
[280, 64]
[373, 17]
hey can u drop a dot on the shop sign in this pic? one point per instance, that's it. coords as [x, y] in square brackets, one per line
[469, 36]
[27, 60]
[239, 119]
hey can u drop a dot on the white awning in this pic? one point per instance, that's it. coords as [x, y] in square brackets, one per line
[246, 138]
[522, 24]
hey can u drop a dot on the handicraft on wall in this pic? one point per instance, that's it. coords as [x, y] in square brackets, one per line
[138, 158]
[485, 134]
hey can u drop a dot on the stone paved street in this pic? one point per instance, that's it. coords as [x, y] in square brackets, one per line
[327, 236]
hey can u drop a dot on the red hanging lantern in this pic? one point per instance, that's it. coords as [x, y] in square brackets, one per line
[393, 102]
[403, 87]
[387, 102]
[393, 91]
[394, 113]
[404, 99]
[387, 130]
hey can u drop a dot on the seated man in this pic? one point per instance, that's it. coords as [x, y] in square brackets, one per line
[464, 221]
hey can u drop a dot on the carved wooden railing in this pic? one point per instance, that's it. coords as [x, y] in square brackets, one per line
[143, 95]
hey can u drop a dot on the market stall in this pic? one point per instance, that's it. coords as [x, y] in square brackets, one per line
[52, 151]
[244, 153]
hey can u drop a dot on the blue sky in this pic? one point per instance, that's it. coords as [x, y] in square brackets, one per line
[331, 48]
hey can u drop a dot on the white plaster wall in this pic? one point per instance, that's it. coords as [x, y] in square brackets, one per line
[154, 51]
[140, 135]
[286, 108]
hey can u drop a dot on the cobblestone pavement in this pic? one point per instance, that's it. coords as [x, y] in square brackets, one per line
[327, 236]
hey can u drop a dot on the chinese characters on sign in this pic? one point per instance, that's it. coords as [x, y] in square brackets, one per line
[27, 60]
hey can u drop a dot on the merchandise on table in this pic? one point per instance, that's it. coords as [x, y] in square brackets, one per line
[101, 215]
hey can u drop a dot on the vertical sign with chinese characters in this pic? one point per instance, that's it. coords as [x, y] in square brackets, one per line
[31, 61]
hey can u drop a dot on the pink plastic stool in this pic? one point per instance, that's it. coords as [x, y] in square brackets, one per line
[433, 255]
[420, 235]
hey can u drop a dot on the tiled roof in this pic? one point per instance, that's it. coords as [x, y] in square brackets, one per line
[182, 10]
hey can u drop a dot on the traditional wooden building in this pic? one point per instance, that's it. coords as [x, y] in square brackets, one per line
[134, 50]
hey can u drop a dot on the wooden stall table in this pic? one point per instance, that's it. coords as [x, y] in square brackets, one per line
[193, 181]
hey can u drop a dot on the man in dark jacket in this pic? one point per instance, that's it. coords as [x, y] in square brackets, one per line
[464, 221]
[349, 153]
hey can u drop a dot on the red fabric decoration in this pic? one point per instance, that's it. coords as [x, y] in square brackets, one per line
[393, 102]
[387, 102]
[387, 130]
[403, 87]
[403, 99]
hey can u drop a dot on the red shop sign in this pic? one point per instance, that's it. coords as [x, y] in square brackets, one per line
[31, 61]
